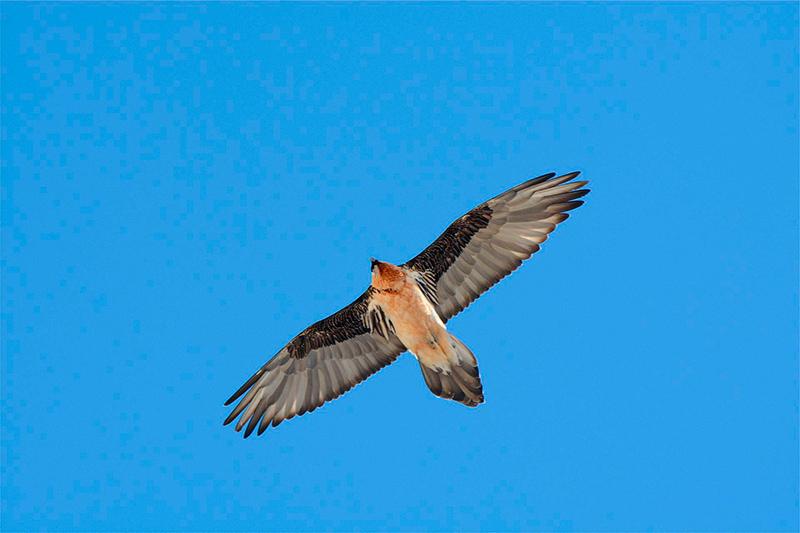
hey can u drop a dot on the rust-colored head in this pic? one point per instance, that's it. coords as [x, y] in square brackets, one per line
[386, 276]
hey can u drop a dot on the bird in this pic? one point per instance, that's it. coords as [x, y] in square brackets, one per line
[406, 308]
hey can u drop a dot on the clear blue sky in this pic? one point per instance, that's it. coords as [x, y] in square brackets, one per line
[185, 187]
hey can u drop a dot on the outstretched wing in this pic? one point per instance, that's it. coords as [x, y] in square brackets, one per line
[320, 364]
[488, 243]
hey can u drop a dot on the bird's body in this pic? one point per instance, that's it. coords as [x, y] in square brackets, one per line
[415, 320]
[406, 307]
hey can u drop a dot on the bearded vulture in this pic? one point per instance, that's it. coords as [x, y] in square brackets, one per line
[406, 308]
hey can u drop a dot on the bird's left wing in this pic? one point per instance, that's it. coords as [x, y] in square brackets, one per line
[489, 242]
[320, 364]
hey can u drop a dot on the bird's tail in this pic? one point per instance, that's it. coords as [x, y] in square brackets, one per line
[461, 381]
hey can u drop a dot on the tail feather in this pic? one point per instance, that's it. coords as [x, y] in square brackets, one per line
[461, 382]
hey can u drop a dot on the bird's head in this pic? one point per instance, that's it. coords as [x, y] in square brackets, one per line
[386, 276]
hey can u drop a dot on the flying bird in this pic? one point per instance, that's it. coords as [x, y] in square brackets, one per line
[406, 307]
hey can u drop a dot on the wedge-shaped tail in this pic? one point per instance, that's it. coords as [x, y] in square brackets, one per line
[461, 382]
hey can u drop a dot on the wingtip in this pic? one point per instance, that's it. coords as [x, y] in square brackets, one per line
[249, 383]
[572, 175]
[538, 179]
[550, 177]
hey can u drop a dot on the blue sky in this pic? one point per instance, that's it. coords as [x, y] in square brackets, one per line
[185, 187]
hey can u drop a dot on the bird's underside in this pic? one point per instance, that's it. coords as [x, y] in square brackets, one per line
[406, 307]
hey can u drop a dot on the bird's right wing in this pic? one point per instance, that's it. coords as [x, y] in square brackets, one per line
[489, 242]
[324, 361]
